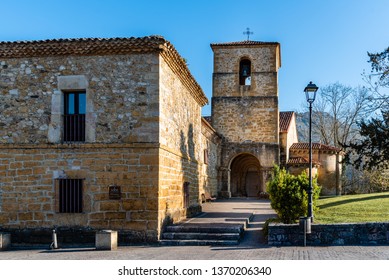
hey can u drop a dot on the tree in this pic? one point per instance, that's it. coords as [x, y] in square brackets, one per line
[336, 112]
[372, 150]
[378, 79]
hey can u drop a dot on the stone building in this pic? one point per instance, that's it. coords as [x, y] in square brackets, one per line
[326, 160]
[108, 134]
[327, 165]
[100, 133]
[245, 112]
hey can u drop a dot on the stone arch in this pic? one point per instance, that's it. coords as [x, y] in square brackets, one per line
[245, 176]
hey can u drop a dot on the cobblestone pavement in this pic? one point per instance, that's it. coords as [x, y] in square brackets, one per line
[252, 247]
[205, 253]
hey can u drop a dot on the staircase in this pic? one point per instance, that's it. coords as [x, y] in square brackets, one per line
[205, 234]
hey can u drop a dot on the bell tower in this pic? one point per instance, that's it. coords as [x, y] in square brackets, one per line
[245, 112]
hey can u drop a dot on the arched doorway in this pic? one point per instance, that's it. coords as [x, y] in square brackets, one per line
[245, 176]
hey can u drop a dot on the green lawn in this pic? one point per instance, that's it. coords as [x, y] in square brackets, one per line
[353, 209]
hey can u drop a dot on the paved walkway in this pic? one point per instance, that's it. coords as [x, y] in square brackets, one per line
[251, 247]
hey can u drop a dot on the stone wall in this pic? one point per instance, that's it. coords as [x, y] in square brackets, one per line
[121, 90]
[29, 176]
[329, 174]
[265, 62]
[328, 170]
[253, 119]
[246, 116]
[181, 153]
[143, 134]
[211, 147]
[287, 139]
[246, 113]
[330, 234]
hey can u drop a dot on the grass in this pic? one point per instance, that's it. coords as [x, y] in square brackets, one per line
[353, 209]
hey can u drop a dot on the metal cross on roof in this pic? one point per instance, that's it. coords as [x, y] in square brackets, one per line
[248, 33]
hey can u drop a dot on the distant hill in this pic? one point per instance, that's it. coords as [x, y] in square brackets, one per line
[302, 124]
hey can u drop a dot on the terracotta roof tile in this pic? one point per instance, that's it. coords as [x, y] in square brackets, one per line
[315, 146]
[243, 43]
[82, 46]
[285, 119]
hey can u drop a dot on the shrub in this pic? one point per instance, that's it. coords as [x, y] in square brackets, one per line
[288, 194]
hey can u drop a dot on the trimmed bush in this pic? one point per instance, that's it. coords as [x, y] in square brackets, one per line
[288, 194]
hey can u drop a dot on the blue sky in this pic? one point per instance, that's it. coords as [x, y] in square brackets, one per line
[323, 41]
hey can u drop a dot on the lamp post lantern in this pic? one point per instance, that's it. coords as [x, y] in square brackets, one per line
[310, 92]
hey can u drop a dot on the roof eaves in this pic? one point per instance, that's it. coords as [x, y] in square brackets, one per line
[243, 43]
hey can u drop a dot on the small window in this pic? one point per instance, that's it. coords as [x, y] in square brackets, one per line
[186, 195]
[205, 156]
[69, 195]
[245, 72]
[74, 117]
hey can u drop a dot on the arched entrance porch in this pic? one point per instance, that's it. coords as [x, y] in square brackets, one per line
[245, 176]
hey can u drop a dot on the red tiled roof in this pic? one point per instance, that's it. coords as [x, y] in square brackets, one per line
[82, 46]
[315, 146]
[244, 43]
[285, 119]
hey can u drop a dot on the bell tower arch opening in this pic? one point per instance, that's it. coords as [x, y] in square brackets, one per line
[245, 72]
[245, 176]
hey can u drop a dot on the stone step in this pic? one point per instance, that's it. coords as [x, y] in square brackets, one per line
[198, 242]
[200, 236]
[207, 233]
[196, 228]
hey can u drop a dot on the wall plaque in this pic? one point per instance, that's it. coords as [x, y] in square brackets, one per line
[115, 192]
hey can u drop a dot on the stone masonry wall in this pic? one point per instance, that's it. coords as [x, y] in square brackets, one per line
[181, 153]
[143, 133]
[121, 91]
[246, 113]
[211, 144]
[28, 198]
[330, 234]
[264, 66]
[246, 120]
[328, 172]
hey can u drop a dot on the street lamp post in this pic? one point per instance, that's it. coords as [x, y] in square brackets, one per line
[310, 92]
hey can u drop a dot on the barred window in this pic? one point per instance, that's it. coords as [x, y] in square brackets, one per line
[69, 195]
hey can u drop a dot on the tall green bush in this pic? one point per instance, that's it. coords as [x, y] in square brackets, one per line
[288, 194]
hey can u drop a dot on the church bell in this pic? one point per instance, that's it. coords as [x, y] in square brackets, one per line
[245, 70]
